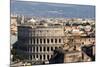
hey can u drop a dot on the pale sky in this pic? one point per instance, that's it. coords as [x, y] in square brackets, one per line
[86, 2]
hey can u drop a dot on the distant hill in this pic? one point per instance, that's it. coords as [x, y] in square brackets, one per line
[44, 9]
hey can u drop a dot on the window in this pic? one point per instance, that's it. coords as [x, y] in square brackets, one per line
[59, 40]
[26, 40]
[44, 56]
[47, 30]
[33, 49]
[44, 49]
[89, 39]
[51, 55]
[74, 48]
[36, 56]
[34, 41]
[44, 40]
[40, 48]
[40, 57]
[47, 40]
[31, 40]
[37, 49]
[30, 56]
[48, 57]
[55, 40]
[51, 48]
[47, 48]
[37, 41]
[40, 31]
[82, 43]
[51, 40]
[30, 48]
[33, 56]
[55, 47]
[40, 40]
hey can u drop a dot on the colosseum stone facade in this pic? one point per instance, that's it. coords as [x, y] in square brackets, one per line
[38, 42]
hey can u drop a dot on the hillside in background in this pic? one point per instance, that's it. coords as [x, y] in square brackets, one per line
[44, 9]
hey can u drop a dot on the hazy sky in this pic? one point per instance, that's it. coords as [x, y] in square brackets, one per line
[87, 2]
[52, 9]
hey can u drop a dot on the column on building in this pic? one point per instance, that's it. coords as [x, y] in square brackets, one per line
[35, 49]
[39, 41]
[93, 50]
[50, 41]
[41, 49]
[29, 49]
[39, 56]
[61, 40]
[32, 57]
[32, 41]
[45, 40]
[32, 49]
[42, 57]
[53, 47]
[53, 40]
[45, 49]
[35, 40]
[45, 56]
[57, 40]
[49, 48]
[49, 56]
[29, 40]
[29, 57]
[35, 56]
[42, 41]
[38, 48]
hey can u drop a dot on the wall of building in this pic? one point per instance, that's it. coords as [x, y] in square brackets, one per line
[40, 42]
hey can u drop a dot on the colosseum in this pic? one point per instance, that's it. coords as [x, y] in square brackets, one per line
[37, 42]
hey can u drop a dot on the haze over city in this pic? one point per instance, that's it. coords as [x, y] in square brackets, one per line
[31, 8]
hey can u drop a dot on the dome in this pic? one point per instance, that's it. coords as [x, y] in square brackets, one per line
[87, 28]
[45, 24]
[75, 31]
[32, 20]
